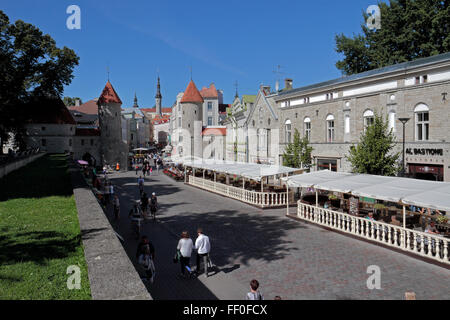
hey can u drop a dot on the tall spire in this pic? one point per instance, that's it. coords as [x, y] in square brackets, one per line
[158, 90]
[236, 85]
[135, 101]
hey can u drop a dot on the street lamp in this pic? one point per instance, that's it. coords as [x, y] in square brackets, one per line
[403, 121]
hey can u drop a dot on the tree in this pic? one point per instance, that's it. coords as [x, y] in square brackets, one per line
[374, 153]
[69, 101]
[298, 153]
[410, 29]
[31, 66]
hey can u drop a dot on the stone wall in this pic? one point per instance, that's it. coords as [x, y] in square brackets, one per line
[10, 167]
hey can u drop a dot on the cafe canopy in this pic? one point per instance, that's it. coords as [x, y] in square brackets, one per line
[252, 171]
[422, 193]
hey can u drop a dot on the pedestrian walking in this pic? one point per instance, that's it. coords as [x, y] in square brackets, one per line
[185, 246]
[151, 170]
[116, 208]
[136, 166]
[153, 205]
[111, 191]
[254, 294]
[141, 185]
[145, 255]
[203, 247]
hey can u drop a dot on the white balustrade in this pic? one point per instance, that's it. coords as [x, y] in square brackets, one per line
[428, 245]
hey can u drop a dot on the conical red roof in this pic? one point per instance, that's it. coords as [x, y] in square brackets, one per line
[109, 95]
[191, 94]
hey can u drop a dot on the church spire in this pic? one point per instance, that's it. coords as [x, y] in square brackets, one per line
[158, 99]
[158, 90]
[135, 101]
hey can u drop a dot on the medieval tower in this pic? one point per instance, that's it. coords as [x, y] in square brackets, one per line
[112, 149]
[158, 100]
[192, 124]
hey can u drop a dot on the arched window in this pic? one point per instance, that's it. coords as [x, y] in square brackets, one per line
[307, 124]
[422, 117]
[369, 119]
[288, 131]
[330, 128]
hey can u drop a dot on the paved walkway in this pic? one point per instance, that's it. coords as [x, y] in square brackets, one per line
[289, 258]
[167, 286]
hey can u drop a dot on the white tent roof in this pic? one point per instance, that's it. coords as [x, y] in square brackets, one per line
[252, 171]
[422, 193]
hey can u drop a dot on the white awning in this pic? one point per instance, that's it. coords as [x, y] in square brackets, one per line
[251, 171]
[421, 193]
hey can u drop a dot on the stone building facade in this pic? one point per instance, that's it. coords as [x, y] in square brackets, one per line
[334, 114]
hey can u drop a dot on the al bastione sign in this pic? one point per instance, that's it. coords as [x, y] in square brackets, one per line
[425, 152]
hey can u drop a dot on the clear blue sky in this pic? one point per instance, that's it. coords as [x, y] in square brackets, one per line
[223, 41]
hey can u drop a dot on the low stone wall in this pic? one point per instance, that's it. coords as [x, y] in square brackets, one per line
[10, 167]
[112, 275]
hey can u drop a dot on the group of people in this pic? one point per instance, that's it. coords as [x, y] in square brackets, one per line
[146, 164]
[184, 251]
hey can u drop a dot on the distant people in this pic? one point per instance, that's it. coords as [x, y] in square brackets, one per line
[136, 167]
[431, 228]
[141, 185]
[254, 294]
[116, 205]
[111, 191]
[277, 298]
[203, 247]
[135, 212]
[185, 246]
[144, 203]
[370, 216]
[395, 222]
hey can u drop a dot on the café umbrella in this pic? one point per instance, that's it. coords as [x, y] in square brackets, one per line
[83, 163]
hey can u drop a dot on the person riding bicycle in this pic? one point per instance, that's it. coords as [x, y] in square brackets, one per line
[153, 205]
[141, 184]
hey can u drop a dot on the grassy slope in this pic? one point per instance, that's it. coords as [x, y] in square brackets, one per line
[39, 233]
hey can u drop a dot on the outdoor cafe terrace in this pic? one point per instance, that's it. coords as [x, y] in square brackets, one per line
[402, 213]
[252, 183]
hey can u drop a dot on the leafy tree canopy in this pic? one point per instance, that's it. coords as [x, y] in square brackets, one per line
[31, 66]
[71, 101]
[374, 153]
[298, 153]
[410, 29]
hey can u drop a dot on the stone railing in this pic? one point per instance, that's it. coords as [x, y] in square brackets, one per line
[260, 199]
[423, 244]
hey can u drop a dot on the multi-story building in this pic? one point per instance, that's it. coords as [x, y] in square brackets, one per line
[334, 114]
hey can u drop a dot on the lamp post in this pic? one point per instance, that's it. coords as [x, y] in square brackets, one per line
[403, 121]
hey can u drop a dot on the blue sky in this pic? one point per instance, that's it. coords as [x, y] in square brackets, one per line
[223, 41]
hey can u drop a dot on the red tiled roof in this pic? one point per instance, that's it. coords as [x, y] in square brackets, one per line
[214, 132]
[158, 120]
[153, 110]
[109, 95]
[191, 94]
[87, 132]
[48, 111]
[210, 92]
[89, 107]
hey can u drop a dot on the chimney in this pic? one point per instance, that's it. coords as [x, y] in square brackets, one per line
[265, 89]
[77, 102]
[288, 84]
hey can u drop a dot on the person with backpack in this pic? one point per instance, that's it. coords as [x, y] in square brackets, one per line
[203, 247]
[185, 246]
[153, 205]
[254, 294]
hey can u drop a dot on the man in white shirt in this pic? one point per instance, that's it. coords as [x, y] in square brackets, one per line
[203, 248]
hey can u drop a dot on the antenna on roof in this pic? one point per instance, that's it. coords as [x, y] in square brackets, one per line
[278, 73]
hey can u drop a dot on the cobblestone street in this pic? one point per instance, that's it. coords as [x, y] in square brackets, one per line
[289, 258]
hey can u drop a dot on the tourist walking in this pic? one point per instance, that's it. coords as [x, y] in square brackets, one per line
[145, 255]
[141, 185]
[144, 204]
[185, 246]
[111, 191]
[203, 247]
[254, 294]
[153, 205]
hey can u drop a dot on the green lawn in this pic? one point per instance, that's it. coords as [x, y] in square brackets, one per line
[39, 233]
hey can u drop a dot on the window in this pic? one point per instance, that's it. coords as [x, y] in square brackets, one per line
[422, 122]
[421, 79]
[268, 121]
[82, 142]
[253, 122]
[329, 96]
[307, 123]
[179, 122]
[306, 100]
[92, 142]
[369, 119]
[209, 106]
[44, 142]
[391, 119]
[180, 138]
[43, 128]
[132, 138]
[210, 121]
[330, 128]
[288, 131]
[347, 124]
[70, 142]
